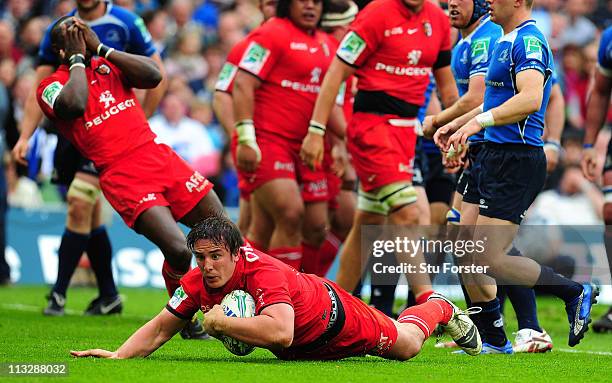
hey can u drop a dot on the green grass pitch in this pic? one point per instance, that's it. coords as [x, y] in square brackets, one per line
[27, 336]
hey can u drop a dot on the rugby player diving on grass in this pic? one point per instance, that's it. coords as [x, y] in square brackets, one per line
[298, 316]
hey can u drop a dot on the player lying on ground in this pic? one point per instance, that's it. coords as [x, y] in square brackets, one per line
[91, 101]
[298, 316]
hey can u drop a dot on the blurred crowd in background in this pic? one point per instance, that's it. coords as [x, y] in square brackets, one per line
[194, 36]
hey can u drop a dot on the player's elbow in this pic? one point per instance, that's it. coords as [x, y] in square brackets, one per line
[71, 109]
[533, 103]
[283, 337]
[156, 77]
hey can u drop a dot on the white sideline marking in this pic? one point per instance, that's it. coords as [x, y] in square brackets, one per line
[606, 353]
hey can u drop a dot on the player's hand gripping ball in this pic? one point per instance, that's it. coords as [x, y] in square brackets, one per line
[239, 304]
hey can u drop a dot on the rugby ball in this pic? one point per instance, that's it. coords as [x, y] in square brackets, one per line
[239, 304]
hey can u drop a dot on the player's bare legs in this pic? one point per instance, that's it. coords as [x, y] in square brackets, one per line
[281, 199]
[409, 342]
[476, 289]
[244, 215]
[422, 203]
[342, 218]
[415, 324]
[420, 283]
[158, 225]
[80, 210]
[207, 206]
[84, 232]
[261, 227]
[350, 269]
[314, 231]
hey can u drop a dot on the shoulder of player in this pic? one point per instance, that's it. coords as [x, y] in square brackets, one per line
[276, 25]
[257, 261]
[192, 280]
[234, 55]
[123, 14]
[489, 29]
[374, 6]
[606, 35]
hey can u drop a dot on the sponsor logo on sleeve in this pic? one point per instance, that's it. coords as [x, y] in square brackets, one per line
[351, 47]
[51, 92]
[178, 297]
[480, 51]
[533, 47]
[228, 72]
[255, 58]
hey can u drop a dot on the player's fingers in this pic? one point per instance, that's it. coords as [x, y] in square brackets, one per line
[81, 354]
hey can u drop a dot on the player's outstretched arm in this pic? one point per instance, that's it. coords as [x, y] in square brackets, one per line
[271, 329]
[528, 100]
[597, 109]
[141, 72]
[144, 341]
[466, 103]
[442, 134]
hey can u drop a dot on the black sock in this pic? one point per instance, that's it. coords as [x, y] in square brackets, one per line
[490, 323]
[383, 297]
[523, 301]
[69, 253]
[100, 254]
[550, 282]
[502, 293]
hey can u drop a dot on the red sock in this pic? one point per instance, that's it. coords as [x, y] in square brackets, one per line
[310, 259]
[289, 255]
[328, 252]
[172, 277]
[423, 297]
[427, 315]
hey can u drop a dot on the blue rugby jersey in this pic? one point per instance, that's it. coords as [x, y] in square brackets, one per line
[522, 49]
[471, 57]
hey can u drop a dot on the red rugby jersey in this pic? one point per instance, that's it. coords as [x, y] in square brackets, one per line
[291, 64]
[395, 49]
[269, 281]
[113, 123]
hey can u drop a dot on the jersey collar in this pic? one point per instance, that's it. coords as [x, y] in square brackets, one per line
[525, 23]
[109, 6]
[481, 23]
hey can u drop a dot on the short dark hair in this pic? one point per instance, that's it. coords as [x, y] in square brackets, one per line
[219, 230]
[529, 3]
[282, 9]
[57, 38]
